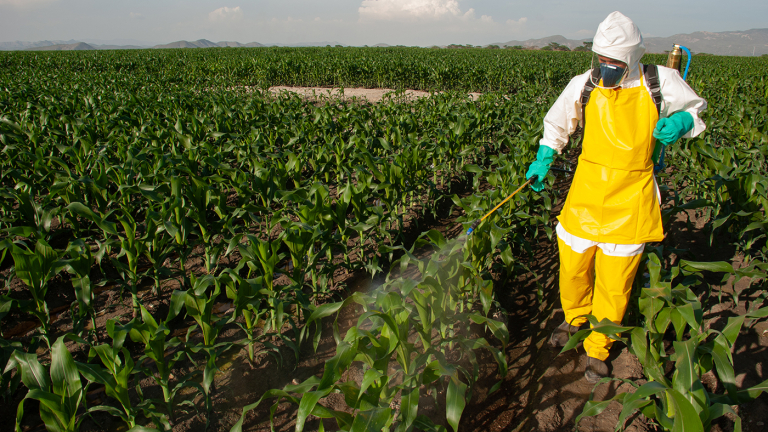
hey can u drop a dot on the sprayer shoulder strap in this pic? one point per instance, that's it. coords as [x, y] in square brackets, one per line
[651, 74]
[586, 92]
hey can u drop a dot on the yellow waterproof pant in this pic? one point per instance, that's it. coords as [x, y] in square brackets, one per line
[598, 284]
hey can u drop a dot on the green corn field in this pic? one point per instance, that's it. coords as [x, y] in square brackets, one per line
[163, 215]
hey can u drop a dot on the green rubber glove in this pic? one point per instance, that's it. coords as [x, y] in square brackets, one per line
[670, 129]
[667, 131]
[540, 167]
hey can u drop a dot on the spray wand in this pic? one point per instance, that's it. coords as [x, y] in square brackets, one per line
[477, 222]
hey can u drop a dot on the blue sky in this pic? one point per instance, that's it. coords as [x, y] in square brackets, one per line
[359, 22]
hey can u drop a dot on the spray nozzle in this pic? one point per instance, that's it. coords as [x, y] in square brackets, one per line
[474, 225]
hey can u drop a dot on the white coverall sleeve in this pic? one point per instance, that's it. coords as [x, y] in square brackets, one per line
[565, 115]
[677, 96]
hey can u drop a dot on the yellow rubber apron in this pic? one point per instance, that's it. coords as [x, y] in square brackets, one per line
[613, 195]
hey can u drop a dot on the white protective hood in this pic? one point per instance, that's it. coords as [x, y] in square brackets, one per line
[619, 38]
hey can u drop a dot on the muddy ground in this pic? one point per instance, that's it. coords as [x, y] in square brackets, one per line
[543, 391]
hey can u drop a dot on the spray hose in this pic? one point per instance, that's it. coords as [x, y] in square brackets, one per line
[477, 222]
[688, 64]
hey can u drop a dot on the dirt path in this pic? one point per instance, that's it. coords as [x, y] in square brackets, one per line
[371, 95]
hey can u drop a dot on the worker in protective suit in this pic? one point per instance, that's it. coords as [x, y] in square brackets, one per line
[613, 206]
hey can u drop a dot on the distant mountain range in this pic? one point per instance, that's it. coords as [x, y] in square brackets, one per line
[204, 43]
[71, 45]
[60, 45]
[77, 46]
[741, 43]
[542, 42]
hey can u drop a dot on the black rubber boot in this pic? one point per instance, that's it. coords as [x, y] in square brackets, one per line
[596, 369]
[561, 335]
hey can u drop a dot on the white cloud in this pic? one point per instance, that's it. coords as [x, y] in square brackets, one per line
[226, 14]
[413, 10]
[519, 23]
[135, 15]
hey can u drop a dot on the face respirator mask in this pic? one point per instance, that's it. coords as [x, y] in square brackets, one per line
[611, 74]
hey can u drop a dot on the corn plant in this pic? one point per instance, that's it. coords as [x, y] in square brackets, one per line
[164, 353]
[247, 301]
[179, 226]
[36, 267]
[9, 381]
[199, 305]
[261, 257]
[159, 247]
[33, 218]
[198, 199]
[132, 248]
[79, 266]
[252, 303]
[115, 375]
[76, 209]
[318, 212]
[300, 239]
[343, 230]
[58, 388]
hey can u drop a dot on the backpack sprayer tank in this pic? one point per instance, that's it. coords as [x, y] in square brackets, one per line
[674, 57]
[673, 60]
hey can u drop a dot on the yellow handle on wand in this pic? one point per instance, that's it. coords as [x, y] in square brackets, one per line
[477, 222]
